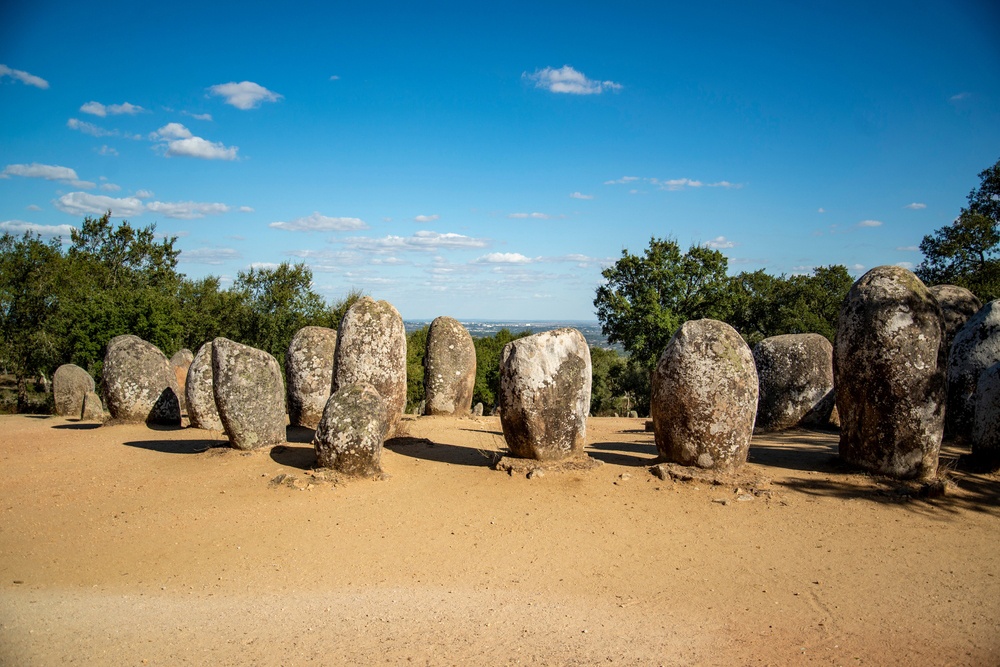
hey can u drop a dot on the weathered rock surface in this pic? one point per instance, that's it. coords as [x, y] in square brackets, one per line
[986, 426]
[309, 373]
[180, 363]
[371, 349]
[477, 410]
[795, 374]
[545, 395]
[92, 409]
[351, 432]
[889, 365]
[957, 306]
[199, 392]
[976, 348]
[704, 397]
[70, 385]
[249, 394]
[449, 368]
[138, 383]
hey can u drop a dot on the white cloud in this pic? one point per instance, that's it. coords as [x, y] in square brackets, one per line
[110, 187]
[534, 216]
[47, 171]
[245, 209]
[24, 77]
[202, 149]
[870, 223]
[908, 248]
[821, 210]
[244, 95]
[504, 258]
[959, 97]
[107, 150]
[89, 128]
[720, 243]
[143, 194]
[422, 240]
[335, 78]
[915, 206]
[623, 180]
[673, 184]
[186, 210]
[857, 267]
[567, 80]
[98, 109]
[905, 265]
[82, 204]
[171, 131]
[18, 227]
[33, 207]
[198, 116]
[320, 223]
[426, 218]
[214, 256]
[580, 195]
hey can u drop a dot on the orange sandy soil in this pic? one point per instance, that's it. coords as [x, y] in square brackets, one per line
[123, 545]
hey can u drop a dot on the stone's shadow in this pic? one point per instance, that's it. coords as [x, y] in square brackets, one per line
[303, 458]
[78, 426]
[630, 454]
[163, 427]
[476, 430]
[177, 446]
[422, 448]
[299, 434]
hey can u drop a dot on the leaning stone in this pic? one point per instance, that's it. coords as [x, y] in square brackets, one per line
[138, 383]
[795, 372]
[704, 397]
[371, 349]
[545, 394]
[957, 306]
[351, 432]
[249, 394]
[309, 371]
[889, 363]
[70, 385]
[449, 368]
[92, 409]
[976, 348]
[199, 392]
[180, 363]
[986, 428]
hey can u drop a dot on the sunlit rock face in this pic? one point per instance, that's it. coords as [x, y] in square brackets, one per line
[449, 368]
[351, 431]
[199, 392]
[309, 374]
[139, 385]
[249, 394]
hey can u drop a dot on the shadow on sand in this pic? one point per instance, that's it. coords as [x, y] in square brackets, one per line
[422, 448]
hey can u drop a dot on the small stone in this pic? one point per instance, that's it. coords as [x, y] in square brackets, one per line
[535, 473]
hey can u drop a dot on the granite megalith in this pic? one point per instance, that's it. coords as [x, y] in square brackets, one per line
[986, 425]
[795, 376]
[371, 349]
[92, 409]
[351, 432]
[976, 348]
[449, 368]
[138, 383]
[309, 374]
[70, 385]
[199, 392]
[545, 382]
[889, 363]
[957, 306]
[249, 394]
[179, 364]
[704, 397]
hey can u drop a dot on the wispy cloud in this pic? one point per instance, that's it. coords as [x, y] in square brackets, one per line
[20, 227]
[580, 195]
[959, 97]
[720, 243]
[98, 109]
[107, 150]
[915, 206]
[197, 116]
[178, 141]
[186, 210]
[532, 216]
[320, 223]
[110, 187]
[870, 223]
[565, 79]
[24, 77]
[504, 258]
[907, 248]
[420, 241]
[244, 95]
[48, 172]
[82, 203]
[426, 218]
[212, 256]
[674, 184]
[905, 265]
[623, 180]
[95, 131]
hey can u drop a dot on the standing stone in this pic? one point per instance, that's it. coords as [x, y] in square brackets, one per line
[309, 372]
[545, 395]
[976, 348]
[180, 363]
[70, 385]
[199, 392]
[93, 409]
[477, 410]
[371, 349]
[249, 394]
[795, 373]
[351, 431]
[957, 306]
[986, 428]
[138, 383]
[704, 397]
[888, 365]
[449, 368]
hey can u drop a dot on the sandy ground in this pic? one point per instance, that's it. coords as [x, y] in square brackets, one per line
[129, 546]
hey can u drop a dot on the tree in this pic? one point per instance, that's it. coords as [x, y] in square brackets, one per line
[967, 252]
[416, 350]
[646, 299]
[488, 350]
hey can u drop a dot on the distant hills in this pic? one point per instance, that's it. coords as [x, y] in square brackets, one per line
[591, 329]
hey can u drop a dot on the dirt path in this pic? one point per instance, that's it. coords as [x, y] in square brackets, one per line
[129, 546]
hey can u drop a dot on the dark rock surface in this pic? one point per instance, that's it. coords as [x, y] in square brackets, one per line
[795, 374]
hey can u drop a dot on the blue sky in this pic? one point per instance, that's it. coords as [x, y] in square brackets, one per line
[487, 160]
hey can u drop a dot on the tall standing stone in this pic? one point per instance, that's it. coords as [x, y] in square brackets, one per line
[249, 394]
[93, 408]
[449, 368]
[351, 431]
[179, 364]
[888, 363]
[371, 349]
[795, 373]
[138, 383]
[309, 374]
[957, 306]
[704, 397]
[70, 384]
[986, 427]
[199, 392]
[976, 348]
[545, 382]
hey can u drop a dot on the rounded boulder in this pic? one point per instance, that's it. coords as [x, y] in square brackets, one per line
[795, 376]
[199, 392]
[309, 374]
[957, 306]
[986, 427]
[351, 432]
[139, 385]
[70, 384]
[976, 348]
[249, 394]
[449, 368]
[179, 364]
